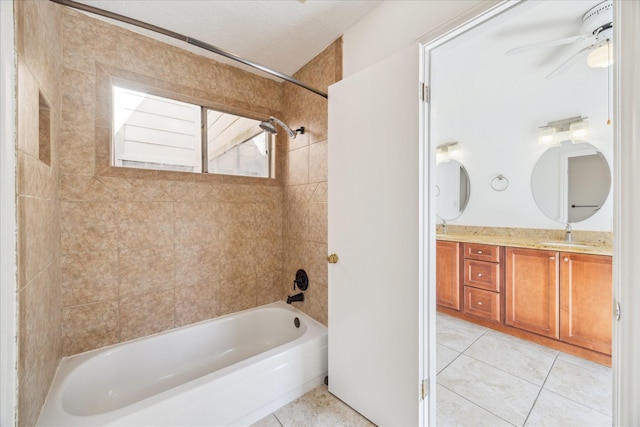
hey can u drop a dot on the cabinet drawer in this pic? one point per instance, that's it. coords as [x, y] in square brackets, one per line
[482, 274]
[482, 252]
[482, 303]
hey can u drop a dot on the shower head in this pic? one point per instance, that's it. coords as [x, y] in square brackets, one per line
[269, 126]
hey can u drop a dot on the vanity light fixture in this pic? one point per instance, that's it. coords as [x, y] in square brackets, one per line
[574, 129]
[445, 151]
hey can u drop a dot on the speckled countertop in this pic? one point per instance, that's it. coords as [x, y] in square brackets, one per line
[590, 242]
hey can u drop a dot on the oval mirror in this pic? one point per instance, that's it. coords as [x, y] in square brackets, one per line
[571, 182]
[452, 189]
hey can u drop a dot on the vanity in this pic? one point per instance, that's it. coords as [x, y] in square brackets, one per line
[546, 294]
[549, 286]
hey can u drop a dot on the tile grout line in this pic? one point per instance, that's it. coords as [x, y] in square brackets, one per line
[569, 398]
[476, 405]
[512, 374]
[277, 419]
[541, 388]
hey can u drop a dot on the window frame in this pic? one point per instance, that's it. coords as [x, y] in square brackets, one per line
[203, 145]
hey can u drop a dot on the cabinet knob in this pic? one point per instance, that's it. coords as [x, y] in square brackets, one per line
[480, 252]
[566, 259]
[479, 274]
[479, 302]
[552, 258]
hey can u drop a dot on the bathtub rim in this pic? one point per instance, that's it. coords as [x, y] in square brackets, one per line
[53, 406]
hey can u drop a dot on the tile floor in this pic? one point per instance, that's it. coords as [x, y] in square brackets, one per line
[485, 378]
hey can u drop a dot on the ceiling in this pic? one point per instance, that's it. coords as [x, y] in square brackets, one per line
[280, 34]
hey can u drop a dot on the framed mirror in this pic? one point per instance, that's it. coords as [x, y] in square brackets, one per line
[571, 182]
[452, 189]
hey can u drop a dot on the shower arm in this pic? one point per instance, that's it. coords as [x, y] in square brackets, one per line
[189, 40]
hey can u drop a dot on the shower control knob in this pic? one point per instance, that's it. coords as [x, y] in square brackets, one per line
[333, 259]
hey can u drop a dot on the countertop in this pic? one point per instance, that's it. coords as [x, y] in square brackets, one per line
[533, 242]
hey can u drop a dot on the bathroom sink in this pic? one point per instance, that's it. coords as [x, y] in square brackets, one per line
[566, 244]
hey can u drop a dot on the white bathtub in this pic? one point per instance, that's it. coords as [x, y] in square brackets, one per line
[232, 370]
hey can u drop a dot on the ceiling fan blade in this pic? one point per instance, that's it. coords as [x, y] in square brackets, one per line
[550, 43]
[572, 59]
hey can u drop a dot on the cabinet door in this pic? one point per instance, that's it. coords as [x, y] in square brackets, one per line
[585, 301]
[448, 274]
[531, 290]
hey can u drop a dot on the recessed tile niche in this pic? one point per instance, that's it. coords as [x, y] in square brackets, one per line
[44, 131]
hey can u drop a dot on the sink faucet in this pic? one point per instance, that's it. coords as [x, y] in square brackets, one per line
[444, 226]
[567, 233]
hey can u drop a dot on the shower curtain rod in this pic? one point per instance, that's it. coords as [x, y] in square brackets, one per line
[189, 40]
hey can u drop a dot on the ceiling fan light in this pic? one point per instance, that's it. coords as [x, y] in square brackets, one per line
[600, 57]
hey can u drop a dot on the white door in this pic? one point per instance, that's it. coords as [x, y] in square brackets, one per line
[375, 305]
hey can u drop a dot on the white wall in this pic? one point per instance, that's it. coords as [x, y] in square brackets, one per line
[494, 111]
[395, 24]
[493, 104]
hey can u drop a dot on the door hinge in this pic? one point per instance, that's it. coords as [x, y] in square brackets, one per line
[424, 93]
[424, 389]
[617, 311]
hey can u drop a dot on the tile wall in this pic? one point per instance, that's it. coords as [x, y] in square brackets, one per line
[305, 231]
[39, 56]
[146, 251]
[110, 254]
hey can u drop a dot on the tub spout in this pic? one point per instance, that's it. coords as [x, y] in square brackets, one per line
[296, 297]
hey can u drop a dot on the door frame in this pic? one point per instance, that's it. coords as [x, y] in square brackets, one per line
[626, 173]
[626, 227]
[8, 226]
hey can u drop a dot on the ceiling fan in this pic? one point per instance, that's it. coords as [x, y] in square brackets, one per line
[596, 33]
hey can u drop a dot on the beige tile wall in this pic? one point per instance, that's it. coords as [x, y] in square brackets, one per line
[305, 231]
[110, 254]
[146, 251]
[39, 263]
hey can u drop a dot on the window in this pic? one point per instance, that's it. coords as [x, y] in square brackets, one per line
[236, 145]
[152, 132]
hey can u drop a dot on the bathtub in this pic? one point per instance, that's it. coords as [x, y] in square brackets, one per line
[232, 370]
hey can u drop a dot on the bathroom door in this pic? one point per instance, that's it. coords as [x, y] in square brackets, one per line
[375, 309]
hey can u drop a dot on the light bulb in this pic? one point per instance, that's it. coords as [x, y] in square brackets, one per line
[546, 135]
[579, 131]
[600, 57]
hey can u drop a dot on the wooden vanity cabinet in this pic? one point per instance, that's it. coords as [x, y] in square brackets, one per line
[448, 274]
[532, 290]
[586, 301]
[482, 281]
[561, 295]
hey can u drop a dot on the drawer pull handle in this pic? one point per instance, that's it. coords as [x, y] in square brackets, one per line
[479, 302]
[552, 258]
[479, 274]
[480, 252]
